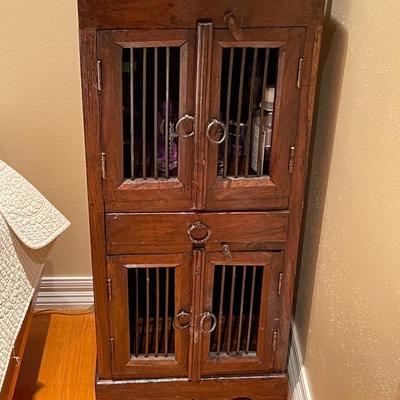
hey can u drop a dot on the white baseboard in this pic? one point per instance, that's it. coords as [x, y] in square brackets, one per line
[65, 293]
[298, 381]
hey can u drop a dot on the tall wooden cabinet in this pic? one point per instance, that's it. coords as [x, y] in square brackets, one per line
[197, 124]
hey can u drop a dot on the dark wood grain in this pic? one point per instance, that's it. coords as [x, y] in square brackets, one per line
[311, 54]
[112, 14]
[123, 364]
[143, 223]
[143, 194]
[167, 233]
[91, 112]
[262, 360]
[269, 387]
[259, 193]
[203, 76]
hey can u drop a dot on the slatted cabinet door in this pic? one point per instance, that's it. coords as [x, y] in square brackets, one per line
[255, 89]
[149, 315]
[240, 319]
[146, 81]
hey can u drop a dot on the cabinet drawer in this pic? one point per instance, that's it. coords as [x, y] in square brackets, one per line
[178, 232]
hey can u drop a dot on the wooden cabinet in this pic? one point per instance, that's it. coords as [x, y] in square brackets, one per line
[197, 128]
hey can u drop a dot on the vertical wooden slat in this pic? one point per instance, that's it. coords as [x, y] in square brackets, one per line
[221, 310]
[155, 133]
[146, 354]
[241, 309]
[239, 112]
[166, 128]
[132, 112]
[157, 310]
[228, 109]
[166, 321]
[137, 312]
[204, 57]
[232, 298]
[261, 128]
[250, 114]
[253, 281]
[144, 113]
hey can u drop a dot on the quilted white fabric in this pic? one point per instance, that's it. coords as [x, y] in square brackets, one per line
[28, 224]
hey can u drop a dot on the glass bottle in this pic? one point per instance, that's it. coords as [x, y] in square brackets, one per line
[265, 133]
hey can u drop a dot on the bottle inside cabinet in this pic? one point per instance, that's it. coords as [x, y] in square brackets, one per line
[247, 97]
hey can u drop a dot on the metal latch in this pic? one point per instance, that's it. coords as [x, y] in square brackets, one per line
[226, 251]
[274, 340]
[99, 76]
[292, 153]
[109, 288]
[280, 278]
[103, 165]
[16, 358]
[112, 349]
[300, 73]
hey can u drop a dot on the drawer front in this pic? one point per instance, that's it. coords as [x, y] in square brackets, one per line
[125, 14]
[177, 232]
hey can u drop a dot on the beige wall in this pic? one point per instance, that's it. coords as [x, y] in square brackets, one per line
[41, 132]
[348, 310]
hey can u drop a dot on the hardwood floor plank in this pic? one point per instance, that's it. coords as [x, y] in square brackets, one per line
[60, 359]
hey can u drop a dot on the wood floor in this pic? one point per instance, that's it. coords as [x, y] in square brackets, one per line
[59, 361]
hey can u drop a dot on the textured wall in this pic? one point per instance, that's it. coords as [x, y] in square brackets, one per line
[348, 307]
[41, 130]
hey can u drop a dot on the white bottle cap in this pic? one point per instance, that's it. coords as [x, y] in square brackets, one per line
[269, 98]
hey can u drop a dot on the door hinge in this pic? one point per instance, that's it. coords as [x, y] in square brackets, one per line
[109, 288]
[112, 349]
[291, 159]
[103, 165]
[99, 75]
[280, 278]
[15, 357]
[274, 340]
[300, 72]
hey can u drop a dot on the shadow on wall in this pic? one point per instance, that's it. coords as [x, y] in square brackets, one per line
[333, 56]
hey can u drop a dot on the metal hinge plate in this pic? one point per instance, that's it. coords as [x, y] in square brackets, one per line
[291, 159]
[99, 76]
[274, 340]
[112, 347]
[280, 278]
[103, 165]
[15, 357]
[109, 288]
[300, 73]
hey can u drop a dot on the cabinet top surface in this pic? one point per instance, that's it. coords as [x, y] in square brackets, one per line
[142, 14]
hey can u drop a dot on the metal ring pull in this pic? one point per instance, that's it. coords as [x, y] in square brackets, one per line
[208, 315]
[177, 323]
[186, 117]
[221, 126]
[198, 225]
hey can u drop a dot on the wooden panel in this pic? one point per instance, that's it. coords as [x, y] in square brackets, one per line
[258, 192]
[88, 50]
[232, 359]
[129, 359]
[270, 387]
[312, 53]
[111, 14]
[60, 357]
[152, 233]
[13, 369]
[145, 193]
